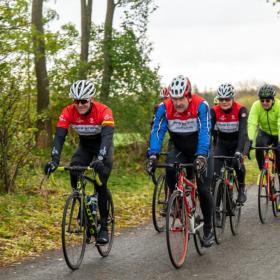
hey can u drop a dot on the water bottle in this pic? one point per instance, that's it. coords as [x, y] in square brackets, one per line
[92, 202]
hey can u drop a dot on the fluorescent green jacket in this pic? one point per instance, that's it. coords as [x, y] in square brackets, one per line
[267, 121]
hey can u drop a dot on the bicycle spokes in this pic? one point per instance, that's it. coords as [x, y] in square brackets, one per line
[73, 232]
[177, 229]
[263, 197]
[235, 208]
[220, 210]
[276, 192]
[104, 250]
[159, 205]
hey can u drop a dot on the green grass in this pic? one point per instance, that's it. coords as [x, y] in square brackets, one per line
[252, 170]
[123, 139]
[30, 221]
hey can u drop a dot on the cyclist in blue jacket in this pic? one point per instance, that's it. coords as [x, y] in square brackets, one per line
[186, 116]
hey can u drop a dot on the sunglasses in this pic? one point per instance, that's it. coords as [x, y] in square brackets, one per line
[265, 100]
[224, 99]
[82, 101]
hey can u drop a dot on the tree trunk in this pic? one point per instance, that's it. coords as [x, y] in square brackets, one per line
[107, 64]
[43, 137]
[86, 10]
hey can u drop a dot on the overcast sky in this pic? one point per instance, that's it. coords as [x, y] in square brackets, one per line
[210, 41]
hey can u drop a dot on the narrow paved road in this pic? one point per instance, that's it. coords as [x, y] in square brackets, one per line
[142, 254]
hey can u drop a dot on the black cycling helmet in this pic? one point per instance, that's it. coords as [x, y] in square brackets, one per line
[267, 91]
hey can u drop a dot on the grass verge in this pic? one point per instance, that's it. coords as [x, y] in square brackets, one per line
[30, 221]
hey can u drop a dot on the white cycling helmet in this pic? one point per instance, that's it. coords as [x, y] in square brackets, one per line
[164, 93]
[82, 89]
[180, 86]
[225, 91]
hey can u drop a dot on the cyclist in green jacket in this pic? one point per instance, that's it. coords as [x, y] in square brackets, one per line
[265, 115]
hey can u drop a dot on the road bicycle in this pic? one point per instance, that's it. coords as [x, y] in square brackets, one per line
[268, 185]
[160, 199]
[225, 199]
[79, 225]
[183, 216]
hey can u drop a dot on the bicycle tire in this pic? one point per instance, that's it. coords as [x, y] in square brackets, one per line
[177, 222]
[105, 249]
[73, 227]
[220, 210]
[236, 208]
[276, 202]
[263, 198]
[159, 203]
[198, 236]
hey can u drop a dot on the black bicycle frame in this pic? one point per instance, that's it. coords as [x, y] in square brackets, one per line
[227, 176]
[90, 219]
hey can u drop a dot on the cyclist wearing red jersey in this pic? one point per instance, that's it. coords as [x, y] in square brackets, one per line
[164, 94]
[94, 123]
[186, 116]
[229, 123]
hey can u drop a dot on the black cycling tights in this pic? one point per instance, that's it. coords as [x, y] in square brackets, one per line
[264, 139]
[203, 185]
[83, 156]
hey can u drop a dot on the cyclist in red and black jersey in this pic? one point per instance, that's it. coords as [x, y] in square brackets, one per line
[94, 123]
[164, 94]
[229, 123]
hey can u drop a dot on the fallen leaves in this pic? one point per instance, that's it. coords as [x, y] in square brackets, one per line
[31, 224]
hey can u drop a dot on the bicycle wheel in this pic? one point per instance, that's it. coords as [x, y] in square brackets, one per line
[276, 202]
[105, 249]
[263, 198]
[177, 229]
[235, 211]
[159, 204]
[73, 231]
[220, 210]
[198, 224]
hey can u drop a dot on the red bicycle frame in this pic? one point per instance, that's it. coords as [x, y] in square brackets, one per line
[267, 159]
[190, 188]
[266, 165]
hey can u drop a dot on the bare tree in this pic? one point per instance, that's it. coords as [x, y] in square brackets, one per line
[44, 137]
[107, 64]
[86, 11]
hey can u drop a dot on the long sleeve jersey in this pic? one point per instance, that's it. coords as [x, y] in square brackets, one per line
[94, 128]
[230, 125]
[267, 120]
[189, 131]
